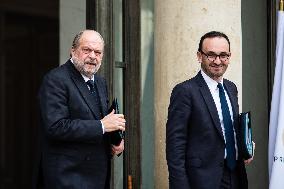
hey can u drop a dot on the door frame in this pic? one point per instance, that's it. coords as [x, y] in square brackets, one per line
[271, 44]
[99, 16]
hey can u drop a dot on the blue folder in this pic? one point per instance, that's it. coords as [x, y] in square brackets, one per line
[246, 142]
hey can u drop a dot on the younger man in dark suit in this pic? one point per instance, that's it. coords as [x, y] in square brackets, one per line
[202, 128]
[73, 102]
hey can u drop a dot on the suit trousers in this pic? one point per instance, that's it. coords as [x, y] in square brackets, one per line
[230, 178]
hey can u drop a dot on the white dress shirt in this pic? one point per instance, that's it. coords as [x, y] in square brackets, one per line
[212, 85]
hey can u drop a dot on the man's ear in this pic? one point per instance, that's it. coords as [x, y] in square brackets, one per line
[72, 50]
[199, 56]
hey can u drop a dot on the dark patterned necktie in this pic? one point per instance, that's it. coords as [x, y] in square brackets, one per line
[229, 132]
[95, 94]
[91, 85]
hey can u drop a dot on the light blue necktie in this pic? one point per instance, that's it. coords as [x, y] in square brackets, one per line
[229, 132]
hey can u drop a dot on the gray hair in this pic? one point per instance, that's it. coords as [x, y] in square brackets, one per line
[78, 36]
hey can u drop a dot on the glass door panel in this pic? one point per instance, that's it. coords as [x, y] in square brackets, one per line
[118, 78]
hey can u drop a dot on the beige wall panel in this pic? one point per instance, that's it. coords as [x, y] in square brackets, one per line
[178, 28]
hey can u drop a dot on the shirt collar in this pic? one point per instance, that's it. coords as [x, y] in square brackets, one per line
[212, 84]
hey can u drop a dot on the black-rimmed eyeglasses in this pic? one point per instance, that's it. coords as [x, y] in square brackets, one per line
[212, 56]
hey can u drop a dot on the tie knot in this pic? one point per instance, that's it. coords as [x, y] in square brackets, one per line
[90, 83]
[220, 86]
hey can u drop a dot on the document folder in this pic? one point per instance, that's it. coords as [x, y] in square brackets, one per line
[115, 136]
[246, 142]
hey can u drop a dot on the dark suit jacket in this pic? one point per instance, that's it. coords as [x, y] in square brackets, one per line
[75, 152]
[195, 144]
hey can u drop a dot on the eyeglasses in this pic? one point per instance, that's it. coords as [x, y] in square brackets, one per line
[212, 56]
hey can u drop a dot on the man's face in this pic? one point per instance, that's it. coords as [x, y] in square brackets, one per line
[87, 56]
[214, 68]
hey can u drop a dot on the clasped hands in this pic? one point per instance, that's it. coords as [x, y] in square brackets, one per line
[114, 122]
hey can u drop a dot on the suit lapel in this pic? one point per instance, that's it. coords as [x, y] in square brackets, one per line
[209, 101]
[83, 89]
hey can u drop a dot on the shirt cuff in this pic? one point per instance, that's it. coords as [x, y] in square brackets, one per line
[103, 127]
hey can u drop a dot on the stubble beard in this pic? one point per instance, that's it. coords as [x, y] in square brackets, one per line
[211, 73]
[82, 67]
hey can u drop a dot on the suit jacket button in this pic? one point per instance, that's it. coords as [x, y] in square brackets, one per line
[221, 164]
[88, 158]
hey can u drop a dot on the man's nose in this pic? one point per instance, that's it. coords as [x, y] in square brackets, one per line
[92, 54]
[217, 60]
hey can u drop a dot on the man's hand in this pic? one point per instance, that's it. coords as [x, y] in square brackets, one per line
[248, 161]
[113, 122]
[115, 150]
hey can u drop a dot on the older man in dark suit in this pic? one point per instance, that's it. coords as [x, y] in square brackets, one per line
[73, 101]
[202, 128]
